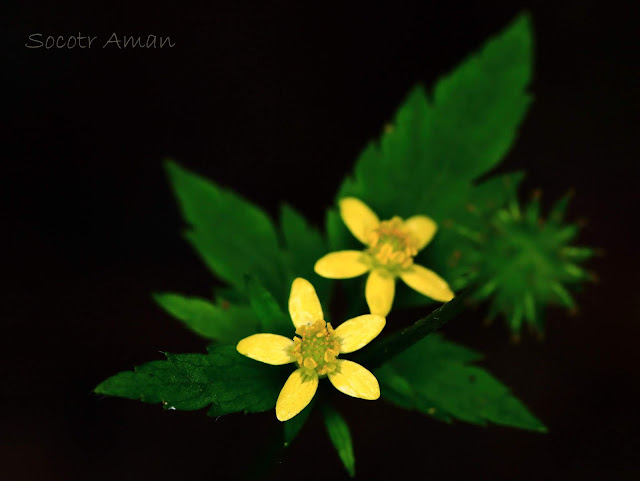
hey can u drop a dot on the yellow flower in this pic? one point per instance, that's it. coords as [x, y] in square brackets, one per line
[391, 246]
[315, 350]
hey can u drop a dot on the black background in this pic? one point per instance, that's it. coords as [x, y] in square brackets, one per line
[276, 101]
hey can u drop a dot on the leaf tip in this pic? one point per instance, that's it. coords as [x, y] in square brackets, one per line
[524, 23]
[169, 164]
[158, 297]
[99, 389]
[417, 91]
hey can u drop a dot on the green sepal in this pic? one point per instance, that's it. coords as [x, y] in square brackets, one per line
[223, 379]
[340, 436]
[223, 322]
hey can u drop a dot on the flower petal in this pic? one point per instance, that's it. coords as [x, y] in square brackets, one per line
[356, 333]
[354, 380]
[296, 393]
[358, 217]
[268, 348]
[304, 305]
[422, 229]
[427, 282]
[341, 265]
[379, 292]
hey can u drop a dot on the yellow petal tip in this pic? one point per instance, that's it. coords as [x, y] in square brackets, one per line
[295, 395]
[282, 417]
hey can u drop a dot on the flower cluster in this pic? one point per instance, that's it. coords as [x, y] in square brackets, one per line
[391, 247]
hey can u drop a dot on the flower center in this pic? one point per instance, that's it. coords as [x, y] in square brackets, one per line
[316, 348]
[391, 246]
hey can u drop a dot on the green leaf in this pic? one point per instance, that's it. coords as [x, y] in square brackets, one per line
[435, 147]
[272, 319]
[434, 377]
[220, 323]
[295, 424]
[233, 236]
[340, 437]
[304, 246]
[223, 378]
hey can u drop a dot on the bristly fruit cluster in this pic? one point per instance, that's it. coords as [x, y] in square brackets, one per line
[522, 261]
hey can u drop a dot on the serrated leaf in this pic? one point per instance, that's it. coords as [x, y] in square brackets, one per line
[434, 377]
[223, 378]
[233, 236]
[264, 305]
[340, 436]
[220, 323]
[435, 148]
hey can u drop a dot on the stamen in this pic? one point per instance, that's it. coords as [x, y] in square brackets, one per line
[317, 347]
[391, 246]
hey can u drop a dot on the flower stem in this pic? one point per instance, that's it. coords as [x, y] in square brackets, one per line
[390, 346]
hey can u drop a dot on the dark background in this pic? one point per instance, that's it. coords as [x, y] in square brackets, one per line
[276, 102]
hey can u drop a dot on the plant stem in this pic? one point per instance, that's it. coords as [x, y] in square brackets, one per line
[388, 347]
